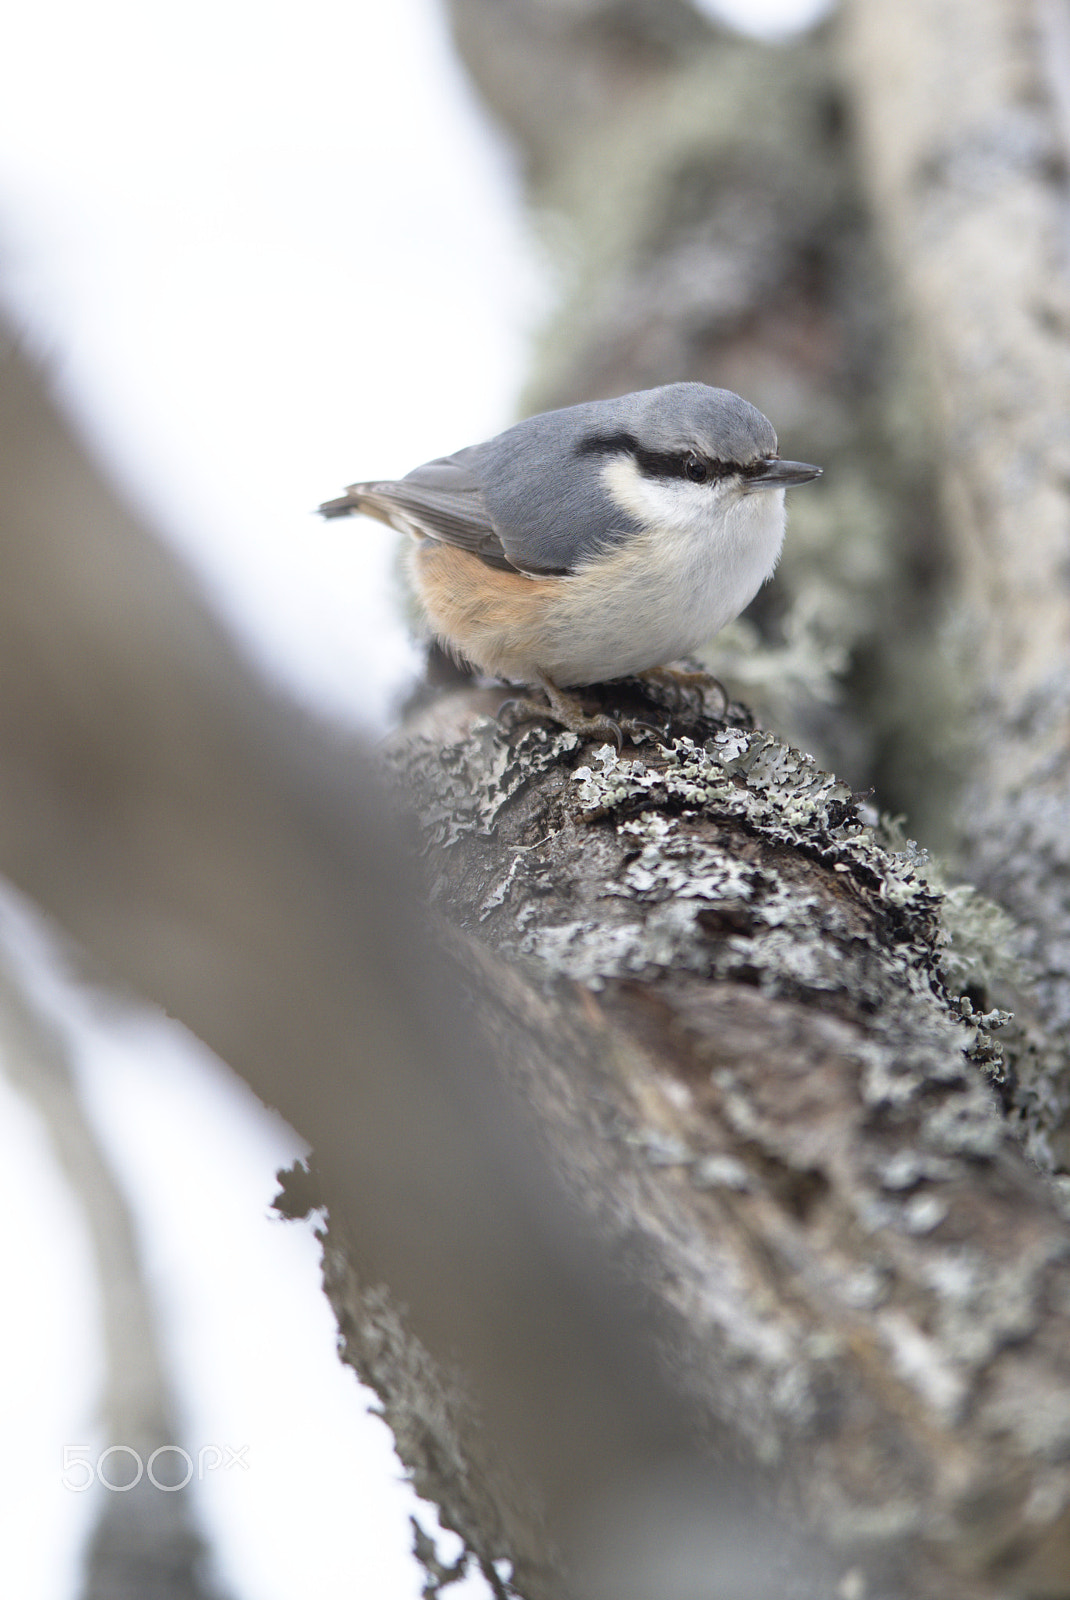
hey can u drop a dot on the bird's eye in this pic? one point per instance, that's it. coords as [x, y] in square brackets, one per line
[695, 468]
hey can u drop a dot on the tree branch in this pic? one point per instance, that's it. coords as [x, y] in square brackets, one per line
[754, 1079]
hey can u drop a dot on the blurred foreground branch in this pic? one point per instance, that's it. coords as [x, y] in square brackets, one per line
[213, 848]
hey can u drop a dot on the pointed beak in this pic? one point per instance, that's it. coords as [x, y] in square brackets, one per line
[776, 474]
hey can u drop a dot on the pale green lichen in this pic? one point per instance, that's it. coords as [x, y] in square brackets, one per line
[747, 772]
[751, 778]
[667, 894]
[464, 787]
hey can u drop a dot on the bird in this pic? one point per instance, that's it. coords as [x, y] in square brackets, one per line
[599, 541]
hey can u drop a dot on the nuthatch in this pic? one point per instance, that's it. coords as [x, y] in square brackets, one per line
[596, 542]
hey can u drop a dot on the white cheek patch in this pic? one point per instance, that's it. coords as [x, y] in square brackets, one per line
[652, 503]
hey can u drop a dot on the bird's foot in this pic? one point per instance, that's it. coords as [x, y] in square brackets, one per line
[682, 682]
[566, 709]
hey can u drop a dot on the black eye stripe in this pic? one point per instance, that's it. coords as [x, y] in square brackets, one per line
[652, 463]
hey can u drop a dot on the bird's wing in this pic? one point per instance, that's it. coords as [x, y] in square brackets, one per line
[442, 500]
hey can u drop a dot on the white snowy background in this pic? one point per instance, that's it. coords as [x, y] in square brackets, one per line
[265, 250]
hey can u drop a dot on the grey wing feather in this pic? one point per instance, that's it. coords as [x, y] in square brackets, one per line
[448, 493]
[440, 500]
[526, 500]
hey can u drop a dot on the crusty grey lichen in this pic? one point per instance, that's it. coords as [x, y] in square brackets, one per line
[674, 897]
[453, 802]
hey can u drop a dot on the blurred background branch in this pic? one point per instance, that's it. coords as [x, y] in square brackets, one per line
[145, 1543]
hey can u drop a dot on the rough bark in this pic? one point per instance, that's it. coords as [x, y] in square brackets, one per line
[756, 1074]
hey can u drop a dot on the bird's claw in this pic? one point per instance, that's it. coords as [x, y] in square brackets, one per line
[564, 709]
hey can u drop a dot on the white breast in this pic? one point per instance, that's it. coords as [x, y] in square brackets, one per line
[661, 595]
